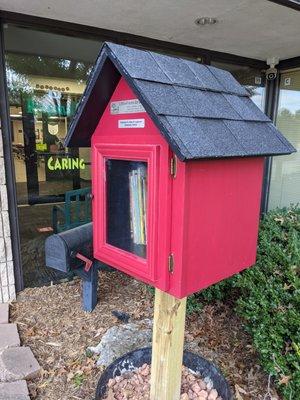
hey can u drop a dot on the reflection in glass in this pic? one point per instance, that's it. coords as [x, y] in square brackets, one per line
[285, 178]
[127, 205]
[41, 107]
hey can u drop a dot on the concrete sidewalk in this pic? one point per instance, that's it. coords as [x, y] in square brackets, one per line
[16, 363]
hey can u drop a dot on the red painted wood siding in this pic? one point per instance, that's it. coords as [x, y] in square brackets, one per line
[216, 205]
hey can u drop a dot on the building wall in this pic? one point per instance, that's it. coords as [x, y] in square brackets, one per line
[7, 280]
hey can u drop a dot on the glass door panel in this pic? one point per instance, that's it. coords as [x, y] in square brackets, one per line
[126, 199]
[46, 76]
[45, 169]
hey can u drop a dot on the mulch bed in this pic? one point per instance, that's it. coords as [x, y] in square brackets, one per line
[51, 322]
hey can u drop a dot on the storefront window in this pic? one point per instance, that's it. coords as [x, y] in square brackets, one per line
[285, 178]
[46, 75]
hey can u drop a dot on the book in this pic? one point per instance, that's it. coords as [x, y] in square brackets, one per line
[138, 204]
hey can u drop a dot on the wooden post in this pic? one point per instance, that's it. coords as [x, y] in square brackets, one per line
[167, 346]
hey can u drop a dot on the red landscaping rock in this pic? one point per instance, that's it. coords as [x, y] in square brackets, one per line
[135, 385]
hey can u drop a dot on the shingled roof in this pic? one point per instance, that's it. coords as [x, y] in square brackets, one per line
[202, 111]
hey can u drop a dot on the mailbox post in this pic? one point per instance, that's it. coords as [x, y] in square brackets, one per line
[178, 153]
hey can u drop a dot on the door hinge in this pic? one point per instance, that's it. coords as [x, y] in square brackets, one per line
[173, 166]
[171, 263]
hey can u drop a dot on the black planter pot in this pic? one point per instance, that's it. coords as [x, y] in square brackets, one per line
[137, 358]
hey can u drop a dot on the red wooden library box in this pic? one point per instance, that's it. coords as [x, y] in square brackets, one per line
[177, 164]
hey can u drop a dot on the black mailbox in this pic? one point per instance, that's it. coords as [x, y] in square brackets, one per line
[72, 251]
[66, 251]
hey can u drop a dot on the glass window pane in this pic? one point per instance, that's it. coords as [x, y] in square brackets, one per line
[46, 76]
[285, 178]
[127, 205]
[41, 107]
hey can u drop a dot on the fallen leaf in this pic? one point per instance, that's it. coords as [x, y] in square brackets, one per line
[99, 332]
[70, 376]
[237, 393]
[53, 344]
[240, 390]
[281, 220]
[285, 379]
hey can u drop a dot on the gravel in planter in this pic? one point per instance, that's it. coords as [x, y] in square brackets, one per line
[135, 385]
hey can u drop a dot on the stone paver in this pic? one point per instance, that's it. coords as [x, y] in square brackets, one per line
[4, 313]
[18, 363]
[14, 391]
[9, 336]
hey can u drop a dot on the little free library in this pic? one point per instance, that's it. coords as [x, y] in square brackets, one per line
[178, 152]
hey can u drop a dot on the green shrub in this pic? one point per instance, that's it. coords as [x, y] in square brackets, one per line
[269, 299]
[217, 292]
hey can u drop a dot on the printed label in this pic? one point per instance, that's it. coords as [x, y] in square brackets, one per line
[126, 107]
[131, 123]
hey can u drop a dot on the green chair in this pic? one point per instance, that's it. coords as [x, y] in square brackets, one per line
[75, 212]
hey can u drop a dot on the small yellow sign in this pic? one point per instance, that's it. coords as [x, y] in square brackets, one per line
[41, 146]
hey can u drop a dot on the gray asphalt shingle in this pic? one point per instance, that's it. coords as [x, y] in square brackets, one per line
[163, 98]
[245, 107]
[139, 64]
[203, 74]
[228, 82]
[207, 104]
[256, 137]
[205, 136]
[177, 71]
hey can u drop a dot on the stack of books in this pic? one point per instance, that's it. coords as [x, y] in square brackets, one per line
[138, 205]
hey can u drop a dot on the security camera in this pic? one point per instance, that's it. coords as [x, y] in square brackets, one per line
[271, 73]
